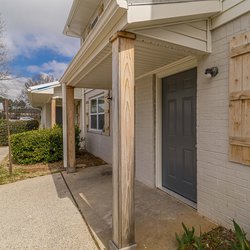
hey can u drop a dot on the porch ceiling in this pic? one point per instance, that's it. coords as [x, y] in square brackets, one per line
[150, 54]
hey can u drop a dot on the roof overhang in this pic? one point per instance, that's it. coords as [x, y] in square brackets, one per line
[79, 16]
[40, 94]
[91, 67]
[172, 12]
[153, 12]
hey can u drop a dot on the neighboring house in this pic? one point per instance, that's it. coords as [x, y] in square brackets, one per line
[48, 98]
[191, 132]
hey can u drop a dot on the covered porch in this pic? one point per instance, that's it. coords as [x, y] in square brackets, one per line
[158, 216]
[118, 64]
[118, 57]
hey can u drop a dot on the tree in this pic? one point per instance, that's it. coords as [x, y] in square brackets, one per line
[4, 73]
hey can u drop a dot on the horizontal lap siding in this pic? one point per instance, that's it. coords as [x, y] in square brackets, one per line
[223, 186]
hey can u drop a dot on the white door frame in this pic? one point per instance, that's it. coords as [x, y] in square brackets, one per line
[171, 69]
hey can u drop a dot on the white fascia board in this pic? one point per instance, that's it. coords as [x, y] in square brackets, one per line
[153, 12]
[232, 12]
[46, 88]
[70, 16]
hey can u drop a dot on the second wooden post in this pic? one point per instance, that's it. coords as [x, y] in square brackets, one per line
[70, 130]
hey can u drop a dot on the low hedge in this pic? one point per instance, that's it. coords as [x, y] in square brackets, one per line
[15, 128]
[44, 145]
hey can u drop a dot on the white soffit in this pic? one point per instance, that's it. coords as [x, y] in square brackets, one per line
[150, 55]
[38, 100]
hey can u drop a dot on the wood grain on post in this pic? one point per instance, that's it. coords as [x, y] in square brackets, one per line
[71, 129]
[123, 140]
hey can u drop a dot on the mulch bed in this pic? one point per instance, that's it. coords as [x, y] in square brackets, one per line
[219, 238]
[21, 172]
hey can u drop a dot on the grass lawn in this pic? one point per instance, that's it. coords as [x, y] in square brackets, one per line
[21, 172]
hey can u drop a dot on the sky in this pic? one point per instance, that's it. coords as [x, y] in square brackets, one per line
[34, 39]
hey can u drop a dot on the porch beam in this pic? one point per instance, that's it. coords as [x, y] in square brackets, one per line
[123, 236]
[53, 112]
[71, 155]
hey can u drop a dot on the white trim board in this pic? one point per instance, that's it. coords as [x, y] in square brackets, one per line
[153, 12]
[232, 12]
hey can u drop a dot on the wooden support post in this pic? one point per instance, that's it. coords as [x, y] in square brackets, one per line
[53, 112]
[70, 130]
[123, 141]
[65, 137]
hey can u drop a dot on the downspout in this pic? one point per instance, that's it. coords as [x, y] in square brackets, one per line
[65, 142]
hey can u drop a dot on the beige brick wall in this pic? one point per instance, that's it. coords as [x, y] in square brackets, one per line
[223, 186]
[144, 131]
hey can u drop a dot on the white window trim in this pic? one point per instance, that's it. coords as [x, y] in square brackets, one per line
[97, 114]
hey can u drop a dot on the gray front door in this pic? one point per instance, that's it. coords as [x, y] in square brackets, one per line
[179, 170]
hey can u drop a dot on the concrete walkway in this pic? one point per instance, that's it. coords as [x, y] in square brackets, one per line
[39, 214]
[158, 215]
[3, 153]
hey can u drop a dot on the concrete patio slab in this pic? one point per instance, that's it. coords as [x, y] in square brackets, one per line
[158, 215]
[39, 213]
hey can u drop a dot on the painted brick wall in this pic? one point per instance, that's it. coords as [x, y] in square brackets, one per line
[101, 145]
[144, 131]
[223, 186]
[96, 143]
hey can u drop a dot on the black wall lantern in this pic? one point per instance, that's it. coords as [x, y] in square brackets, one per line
[211, 72]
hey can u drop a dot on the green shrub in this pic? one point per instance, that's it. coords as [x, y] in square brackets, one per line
[241, 243]
[35, 146]
[31, 125]
[188, 240]
[78, 138]
[15, 128]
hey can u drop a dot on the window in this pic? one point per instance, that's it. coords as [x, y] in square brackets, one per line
[97, 113]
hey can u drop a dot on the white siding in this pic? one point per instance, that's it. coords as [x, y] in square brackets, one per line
[223, 186]
[96, 143]
[46, 116]
[78, 93]
[144, 131]
[101, 145]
